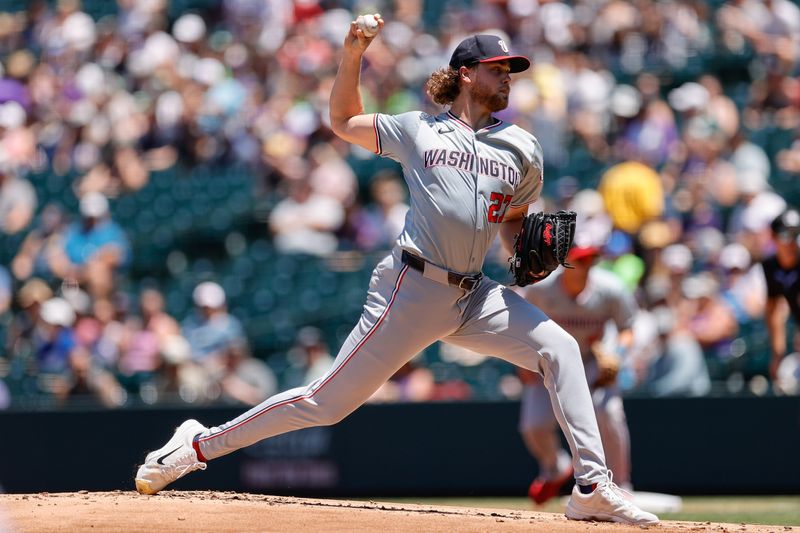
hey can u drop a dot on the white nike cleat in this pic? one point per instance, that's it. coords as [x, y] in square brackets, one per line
[607, 503]
[174, 460]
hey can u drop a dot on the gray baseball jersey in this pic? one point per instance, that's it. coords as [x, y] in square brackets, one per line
[462, 183]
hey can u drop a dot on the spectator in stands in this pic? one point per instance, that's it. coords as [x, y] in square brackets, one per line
[40, 244]
[306, 222]
[378, 224]
[125, 173]
[154, 316]
[652, 240]
[648, 130]
[703, 178]
[88, 375]
[30, 297]
[749, 222]
[743, 286]
[243, 379]
[308, 359]
[211, 330]
[413, 383]
[177, 380]
[750, 161]
[704, 313]
[17, 199]
[87, 328]
[17, 357]
[679, 368]
[140, 355]
[110, 319]
[721, 108]
[94, 248]
[772, 28]
[706, 244]
[782, 274]
[753, 190]
[20, 344]
[141, 344]
[331, 176]
[589, 93]
[92, 379]
[53, 347]
[219, 346]
[672, 265]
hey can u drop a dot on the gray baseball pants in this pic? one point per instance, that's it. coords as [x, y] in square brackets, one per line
[404, 313]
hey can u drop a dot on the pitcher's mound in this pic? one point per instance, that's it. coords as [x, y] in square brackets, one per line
[221, 512]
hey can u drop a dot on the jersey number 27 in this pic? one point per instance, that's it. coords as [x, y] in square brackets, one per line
[499, 206]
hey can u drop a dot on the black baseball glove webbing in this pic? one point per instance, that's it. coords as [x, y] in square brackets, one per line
[541, 245]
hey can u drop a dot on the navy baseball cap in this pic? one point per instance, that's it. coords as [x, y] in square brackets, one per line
[483, 48]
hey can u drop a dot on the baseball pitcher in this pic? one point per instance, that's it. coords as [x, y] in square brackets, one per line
[470, 177]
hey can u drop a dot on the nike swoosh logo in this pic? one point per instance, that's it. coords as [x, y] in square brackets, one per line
[160, 460]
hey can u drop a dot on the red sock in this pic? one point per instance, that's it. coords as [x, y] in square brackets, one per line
[196, 446]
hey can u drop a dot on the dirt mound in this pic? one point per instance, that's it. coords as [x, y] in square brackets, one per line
[220, 512]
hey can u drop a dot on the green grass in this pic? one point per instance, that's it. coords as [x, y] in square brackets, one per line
[774, 510]
[766, 510]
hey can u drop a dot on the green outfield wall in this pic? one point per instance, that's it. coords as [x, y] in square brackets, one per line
[682, 446]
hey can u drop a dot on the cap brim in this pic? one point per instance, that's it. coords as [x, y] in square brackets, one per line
[517, 63]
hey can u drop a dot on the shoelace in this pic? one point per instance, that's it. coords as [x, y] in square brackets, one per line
[611, 491]
[181, 467]
[616, 493]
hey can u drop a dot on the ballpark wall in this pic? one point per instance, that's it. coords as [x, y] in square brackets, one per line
[683, 446]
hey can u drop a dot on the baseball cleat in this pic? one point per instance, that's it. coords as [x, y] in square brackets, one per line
[542, 489]
[172, 461]
[608, 503]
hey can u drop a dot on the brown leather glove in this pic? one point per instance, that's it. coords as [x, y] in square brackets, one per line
[608, 364]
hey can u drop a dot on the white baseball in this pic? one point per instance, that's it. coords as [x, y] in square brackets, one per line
[368, 24]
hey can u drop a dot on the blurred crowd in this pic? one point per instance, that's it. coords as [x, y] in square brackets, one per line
[669, 126]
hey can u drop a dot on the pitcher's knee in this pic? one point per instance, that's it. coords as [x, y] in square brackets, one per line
[561, 347]
[328, 415]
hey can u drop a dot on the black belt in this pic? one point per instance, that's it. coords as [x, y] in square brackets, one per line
[462, 281]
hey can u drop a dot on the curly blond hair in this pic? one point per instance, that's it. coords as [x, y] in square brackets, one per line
[443, 86]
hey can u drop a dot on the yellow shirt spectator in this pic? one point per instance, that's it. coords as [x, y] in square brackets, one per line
[632, 195]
